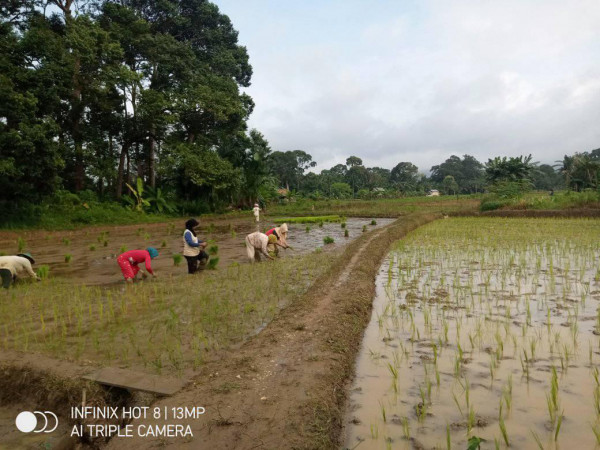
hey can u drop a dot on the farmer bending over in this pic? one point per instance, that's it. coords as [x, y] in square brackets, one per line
[128, 262]
[257, 243]
[280, 234]
[12, 267]
[193, 248]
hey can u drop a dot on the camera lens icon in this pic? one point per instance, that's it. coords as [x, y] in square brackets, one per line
[27, 422]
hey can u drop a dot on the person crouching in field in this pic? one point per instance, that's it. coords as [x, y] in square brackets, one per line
[280, 234]
[13, 267]
[129, 262]
[257, 243]
[193, 248]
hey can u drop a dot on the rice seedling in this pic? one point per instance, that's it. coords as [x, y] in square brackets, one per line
[364, 229]
[212, 263]
[328, 240]
[373, 222]
[307, 229]
[502, 426]
[213, 250]
[537, 439]
[346, 233]
[68, 258]
[21, 244]
[66, 241]
[92, 247]
[177, 258]
[163, 244]
[43, 271]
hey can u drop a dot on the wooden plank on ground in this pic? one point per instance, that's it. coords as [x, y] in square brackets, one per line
[136, 381]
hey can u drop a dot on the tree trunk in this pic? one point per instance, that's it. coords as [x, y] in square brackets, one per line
[152, 160]
[122, 158]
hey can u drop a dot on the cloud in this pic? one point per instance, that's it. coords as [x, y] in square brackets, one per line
[419, 81]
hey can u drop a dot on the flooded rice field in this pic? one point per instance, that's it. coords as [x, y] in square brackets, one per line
[88, 256]
[483, 329]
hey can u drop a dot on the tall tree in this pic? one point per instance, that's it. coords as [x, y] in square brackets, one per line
[405, 177]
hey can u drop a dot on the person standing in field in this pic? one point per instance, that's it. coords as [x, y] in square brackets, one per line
[13, 267]
[256, 211]
[129, 262]
[257, 243]
[193, 248]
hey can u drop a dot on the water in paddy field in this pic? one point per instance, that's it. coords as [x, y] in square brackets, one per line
[94, 251]
[487, 328]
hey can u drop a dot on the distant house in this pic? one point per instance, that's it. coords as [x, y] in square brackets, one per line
[433, 193]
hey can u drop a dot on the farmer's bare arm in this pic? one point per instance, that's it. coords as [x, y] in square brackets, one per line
[30, 271]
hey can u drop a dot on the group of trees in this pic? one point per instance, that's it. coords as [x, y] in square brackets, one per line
[96, 94]
[456, 175]
[102, 96]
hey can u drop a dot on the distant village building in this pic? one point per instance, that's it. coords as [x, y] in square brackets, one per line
[433, 193]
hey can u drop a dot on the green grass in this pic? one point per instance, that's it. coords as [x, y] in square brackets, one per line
[395, 207]
[542, 200]
[63, 217]
[153, 324]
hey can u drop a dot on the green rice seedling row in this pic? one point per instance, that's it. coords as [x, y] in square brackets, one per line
[483, 328]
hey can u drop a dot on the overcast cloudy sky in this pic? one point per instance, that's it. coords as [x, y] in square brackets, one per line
[420, 80]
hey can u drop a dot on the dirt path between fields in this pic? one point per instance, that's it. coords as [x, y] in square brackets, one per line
[286, 387]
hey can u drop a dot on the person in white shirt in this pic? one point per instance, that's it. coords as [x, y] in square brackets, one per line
[13, 267]
[193, 248]
[256, 212]
[257, 243]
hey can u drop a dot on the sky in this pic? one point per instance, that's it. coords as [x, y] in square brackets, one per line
[421, 80]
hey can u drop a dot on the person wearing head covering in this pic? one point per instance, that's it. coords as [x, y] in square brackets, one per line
[280, 233]
[257, 243]
[129, 262]
[13, 267]
[256, 212]
[193, 248]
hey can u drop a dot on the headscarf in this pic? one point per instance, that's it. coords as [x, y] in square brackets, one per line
[153, 252]
[190, 224]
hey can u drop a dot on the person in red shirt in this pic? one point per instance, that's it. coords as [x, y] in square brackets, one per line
[129, 261]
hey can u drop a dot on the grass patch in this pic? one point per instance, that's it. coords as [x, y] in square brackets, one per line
[153, 324]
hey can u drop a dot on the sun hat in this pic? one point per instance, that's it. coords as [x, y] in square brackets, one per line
[153, 252]
[28, 256]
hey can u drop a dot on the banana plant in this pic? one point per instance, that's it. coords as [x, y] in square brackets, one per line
[158, 201]
[138, 202]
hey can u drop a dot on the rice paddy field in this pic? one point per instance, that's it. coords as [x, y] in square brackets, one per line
[170, 325]
[483, 329]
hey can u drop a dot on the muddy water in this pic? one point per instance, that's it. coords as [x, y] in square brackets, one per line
[467, 333]
[93, 251]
